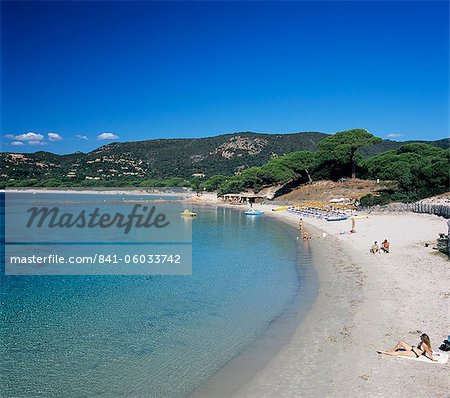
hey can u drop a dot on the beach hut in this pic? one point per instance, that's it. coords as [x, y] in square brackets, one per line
[243, 198]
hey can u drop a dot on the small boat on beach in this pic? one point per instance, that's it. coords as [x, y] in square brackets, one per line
[280, 208]
[339, 218]
[252, 212]
[188, 213]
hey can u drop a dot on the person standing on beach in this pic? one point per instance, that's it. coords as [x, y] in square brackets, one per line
[300, 224]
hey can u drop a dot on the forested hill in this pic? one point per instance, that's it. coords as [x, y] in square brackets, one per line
[223, 154]
[126, 162]
[160, 159]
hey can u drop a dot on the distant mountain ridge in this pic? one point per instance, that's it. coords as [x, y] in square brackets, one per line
[165, 158]
[161, 158]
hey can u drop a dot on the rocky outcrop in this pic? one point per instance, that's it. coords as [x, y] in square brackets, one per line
[236, 145]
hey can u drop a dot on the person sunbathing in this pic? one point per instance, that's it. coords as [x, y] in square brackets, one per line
[405, 350]
[385, 246]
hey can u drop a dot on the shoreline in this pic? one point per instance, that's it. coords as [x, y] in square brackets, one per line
[234, 374]
[101, 191]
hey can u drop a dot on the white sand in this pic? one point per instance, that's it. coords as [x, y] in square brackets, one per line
[366, 302]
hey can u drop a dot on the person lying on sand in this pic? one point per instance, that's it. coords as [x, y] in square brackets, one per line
[374, 248]
[405, 350]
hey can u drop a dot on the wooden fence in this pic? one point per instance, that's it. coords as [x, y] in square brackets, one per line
[418, 207]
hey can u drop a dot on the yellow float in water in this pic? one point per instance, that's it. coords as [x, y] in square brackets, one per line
[188, 213]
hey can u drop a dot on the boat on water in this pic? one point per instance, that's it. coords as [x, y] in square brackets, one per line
[188, 213]
[252, 212]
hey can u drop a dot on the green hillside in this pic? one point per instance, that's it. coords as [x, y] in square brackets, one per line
[148, 162]
[119, 162]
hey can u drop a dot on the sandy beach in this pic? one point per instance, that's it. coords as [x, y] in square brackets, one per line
[365, 302]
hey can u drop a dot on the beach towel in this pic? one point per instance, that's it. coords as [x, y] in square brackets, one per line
[442, 358]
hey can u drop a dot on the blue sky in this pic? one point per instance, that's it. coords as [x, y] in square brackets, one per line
[143, 70]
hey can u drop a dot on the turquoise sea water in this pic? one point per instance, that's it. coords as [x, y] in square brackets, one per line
[149, 336]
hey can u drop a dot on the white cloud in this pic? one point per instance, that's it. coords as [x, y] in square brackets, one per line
[17, 143]
[54, 137]
[10, 137]
[82, 137]
[107, 136]
[37, 142]
[29, 137]
[394, 135]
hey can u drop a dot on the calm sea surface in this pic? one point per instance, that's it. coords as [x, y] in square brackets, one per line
[149, 336]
